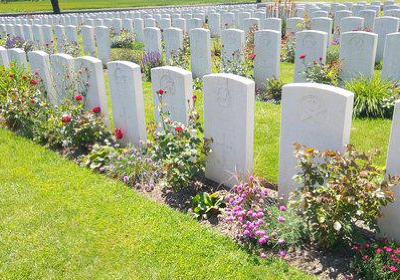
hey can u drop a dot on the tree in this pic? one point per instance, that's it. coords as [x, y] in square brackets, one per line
[56, 6]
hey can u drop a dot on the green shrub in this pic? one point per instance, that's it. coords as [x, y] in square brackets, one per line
[335, 191]
[319, 72]
[98, 157]
[373, 97]
[288, 49]
[179, 59]
[272, 91]
[126, 55]
[124, 39]
[332, 55]
[180, 149]
[205, 205]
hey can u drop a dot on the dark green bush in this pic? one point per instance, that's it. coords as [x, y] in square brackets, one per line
[373, 97]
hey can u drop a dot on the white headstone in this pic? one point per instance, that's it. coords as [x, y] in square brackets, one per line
[64, 76]
[173, 38]
[318, 116]
[271, 24]
[18, 56]
[200, 48]
[267, 50]
[90, 72]
[383, 27]
[323, 24]
[103, 43]
[177, 84]
[89, 45]
[138, 26]
[4, 57]
[293, 25]
[349, 24]
[214, 21]
[357, 54]
[391, 58]
[312, 44]
[40, 64]
[390, 214]
[127, 101]
[229, 122]
[232, 45]
[152, 40]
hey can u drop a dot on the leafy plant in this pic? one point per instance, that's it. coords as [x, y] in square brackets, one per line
[235, 65]
[335, 191]
[373, 97]
[288, 52]
[126, 55]
[99, 156]
[272, 91]
[180, 59]
[134, 167]
[198, 84]
[124, 39]
[332, 55]
[205, 205]
[180, 149]
[319, 72]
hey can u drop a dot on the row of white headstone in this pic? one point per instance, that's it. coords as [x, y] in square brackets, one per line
[315, 115]
[359, 50]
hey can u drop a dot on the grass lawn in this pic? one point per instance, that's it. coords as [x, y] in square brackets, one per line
[61, 221]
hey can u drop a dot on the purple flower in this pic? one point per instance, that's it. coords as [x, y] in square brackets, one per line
[263, 240]
[151, 58]
[229, 219]
[260, 232]
[281, 219]
[334, 42]
[14, 42]
[263, 255]
[282, 208]
[282, 253]
[281, 241]
[125, 179]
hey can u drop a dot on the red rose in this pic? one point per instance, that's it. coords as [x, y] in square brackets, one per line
[119, 134]
[302, 56]
[320, 58]
[179, 129]
[162, 30]
[96, 110]
[78, 97]
[66, 118]
[160, 91]
[34, 82]
[194, 97]
[24, 77]
[31, 101]
[252, 56]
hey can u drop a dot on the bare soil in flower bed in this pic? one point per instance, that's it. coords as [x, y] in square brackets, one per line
[325, 265]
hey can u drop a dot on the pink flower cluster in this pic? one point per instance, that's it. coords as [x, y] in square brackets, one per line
[245, 208]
